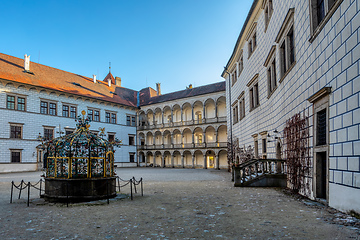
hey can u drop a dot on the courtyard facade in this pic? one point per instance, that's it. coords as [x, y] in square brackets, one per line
[300, 60]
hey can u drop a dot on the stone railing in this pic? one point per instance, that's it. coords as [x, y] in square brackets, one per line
[255, 169]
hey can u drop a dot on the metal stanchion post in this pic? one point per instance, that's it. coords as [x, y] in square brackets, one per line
[142, 190]
[131, 189]
[21, 184]
[12, 189]
[28, 200]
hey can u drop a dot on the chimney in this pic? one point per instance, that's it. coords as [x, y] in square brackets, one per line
[158, 89]
[94, 78]
[109, 82]
[27, 63]
[118, 81]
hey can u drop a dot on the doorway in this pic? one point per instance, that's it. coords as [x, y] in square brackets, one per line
[321, 175]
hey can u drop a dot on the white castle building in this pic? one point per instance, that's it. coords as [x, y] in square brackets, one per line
[301, 56]
[40, 100]
[37, 99]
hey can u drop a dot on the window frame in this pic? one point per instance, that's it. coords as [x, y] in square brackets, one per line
[251, 39]
[268, 11]
[315, 25]
[235, 112]
[111, 136]
[287, 47]
[48, 109]
[13, 133]
[254, 95]
[94, 115]
[131, 143]
[70, 112]
[49, 129]
[241, 103]
[16, 102]
[15, 151]
[271, 73]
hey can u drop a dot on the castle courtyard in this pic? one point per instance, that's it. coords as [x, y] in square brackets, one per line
[177, 204]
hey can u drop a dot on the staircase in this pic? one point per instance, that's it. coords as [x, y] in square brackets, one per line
[260, 173]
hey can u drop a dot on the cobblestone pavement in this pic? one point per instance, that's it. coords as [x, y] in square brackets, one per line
[177, 204]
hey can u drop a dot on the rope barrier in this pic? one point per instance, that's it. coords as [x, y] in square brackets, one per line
[23, 185]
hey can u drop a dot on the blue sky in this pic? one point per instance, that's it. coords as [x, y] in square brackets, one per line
[174, 42]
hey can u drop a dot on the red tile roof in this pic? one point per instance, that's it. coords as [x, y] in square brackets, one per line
[146, 98]
[12, 68]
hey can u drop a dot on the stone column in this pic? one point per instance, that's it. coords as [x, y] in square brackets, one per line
[182, 161]
[172, 161]
[154, 163]
[217, 162]
[205, 163]
[193, 161]
[163, 161]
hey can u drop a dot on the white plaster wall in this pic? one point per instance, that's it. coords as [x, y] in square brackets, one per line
[331, 60]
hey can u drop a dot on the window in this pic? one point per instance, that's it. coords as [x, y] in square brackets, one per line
[131, 140]
[107, 117]
[270, 64]
[286, 41]
[264, 145]
[128, 120]
[254, 96]
[94, 115]
[320, 12]
[68, 131]
[69, 111]
[48, 133]
[16, 131]
[242, 107]
[240, 64]
[321, 127]
[15, 103]
[133, 121]
[235, 109]
[110, 117]
[252, 40]
[15, 156]
[132, 157]
[111, 137]
[233, 77]
[48, 108]
[256, 146]
[268, 10]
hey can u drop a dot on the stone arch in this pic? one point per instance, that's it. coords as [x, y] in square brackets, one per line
[221, 106]
[187, 159]
[198, 112]
[150, 116]
[177, 138]
[223, 161]
[198, 159]
[141, 157]
[167, 159]
[176, 109]
[158, 159]
[210, 159]
[142, 139]
[187, 137]
[222, 134]
[149, 158]
[158, 138]
[167, 138]
[149, 139]
[210, 134]
[177, 158]
[167, 114]
[158, 116]
[142, 119]
[210, 108]
[198, 137]
[187, 112]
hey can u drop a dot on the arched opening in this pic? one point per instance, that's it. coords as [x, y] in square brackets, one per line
[210, 136]
[149, 139]
[187, 112]
[187, 159]
[158, 159]
[210, 109]
[158, 139]
[199, 159]
[198, 110]
[150, 117]
[167, 139]
[210, 159]
[187, 138]
[223, 161]
[167, 159]
[167, 115]
[176, 113]
[198, 137]
[141, 139]
[222, 136]
[149, 159]
[221, 107]
[142, 119]
[177, 138]
[177, 159]
[278, 150]
[158, 116]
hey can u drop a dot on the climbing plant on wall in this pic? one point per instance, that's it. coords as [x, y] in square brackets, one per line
[296, 135]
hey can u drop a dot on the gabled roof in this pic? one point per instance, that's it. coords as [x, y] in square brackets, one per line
[111, 77]
[12, 68]
[146, 99]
